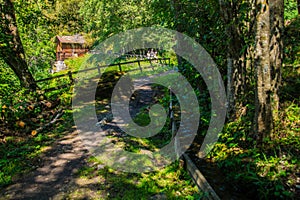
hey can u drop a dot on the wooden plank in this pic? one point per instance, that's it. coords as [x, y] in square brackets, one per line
[70, 51]
[200, 180]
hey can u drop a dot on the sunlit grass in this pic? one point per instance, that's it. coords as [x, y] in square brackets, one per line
[172, 182]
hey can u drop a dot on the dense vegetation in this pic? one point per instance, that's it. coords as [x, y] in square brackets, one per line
[258, 150]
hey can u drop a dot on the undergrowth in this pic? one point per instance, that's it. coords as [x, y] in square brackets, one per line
[25, 128]
[269, 171]
[172, 182]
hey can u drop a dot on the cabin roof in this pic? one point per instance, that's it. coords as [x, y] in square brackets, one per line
[74, 39]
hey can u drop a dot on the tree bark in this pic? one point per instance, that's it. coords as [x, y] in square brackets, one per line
[237, 58]
[276, 50]
[230, 96]
[263, 108]
[11, 48]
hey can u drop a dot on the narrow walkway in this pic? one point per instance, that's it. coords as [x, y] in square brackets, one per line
[56, 176]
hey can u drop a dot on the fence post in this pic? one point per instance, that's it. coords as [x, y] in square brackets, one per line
[70, 77]
[99, 70]
[160, 61]
[139, 63]
[173, 126]
[151, 64]
[120, 67]
[165, 61]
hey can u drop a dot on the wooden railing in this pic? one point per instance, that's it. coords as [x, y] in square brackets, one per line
[70, 74]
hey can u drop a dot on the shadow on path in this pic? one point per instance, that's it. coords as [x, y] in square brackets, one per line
[60, 163]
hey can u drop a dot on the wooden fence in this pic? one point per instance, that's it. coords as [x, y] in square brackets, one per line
[70, 74]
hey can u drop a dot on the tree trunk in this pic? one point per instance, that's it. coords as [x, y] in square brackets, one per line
[263, 108]
[236, 65]
[276, 50]
[11, 48]
[230, 96]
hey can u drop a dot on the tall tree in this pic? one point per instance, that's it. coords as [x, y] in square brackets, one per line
[11, 48]
[254, 29]
[276, 50]
[239, 19]
[263, 108]
[268, 62]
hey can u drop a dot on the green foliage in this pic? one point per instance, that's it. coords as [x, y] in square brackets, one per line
[21, 153]
[172, 182]
[21, 114]
[290, 9]
[74, 64]
[67, 16]
[292, 47]
[37, 40]
[268, 171]
[104, 18]
[9, 83]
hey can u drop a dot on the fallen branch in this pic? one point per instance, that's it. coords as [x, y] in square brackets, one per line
[53, 121]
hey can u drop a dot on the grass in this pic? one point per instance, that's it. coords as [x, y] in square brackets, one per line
[270, 170]
[170, 183]
[20, 155]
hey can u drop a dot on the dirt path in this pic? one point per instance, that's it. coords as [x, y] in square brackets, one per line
[57, 175]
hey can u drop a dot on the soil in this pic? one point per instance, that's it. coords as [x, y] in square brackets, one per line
[56, 176]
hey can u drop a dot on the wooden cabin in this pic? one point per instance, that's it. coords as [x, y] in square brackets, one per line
[70, 46]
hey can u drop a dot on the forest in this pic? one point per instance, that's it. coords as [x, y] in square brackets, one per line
[256, 47]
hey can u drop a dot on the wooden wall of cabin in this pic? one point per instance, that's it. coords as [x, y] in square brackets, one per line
[64, 51]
